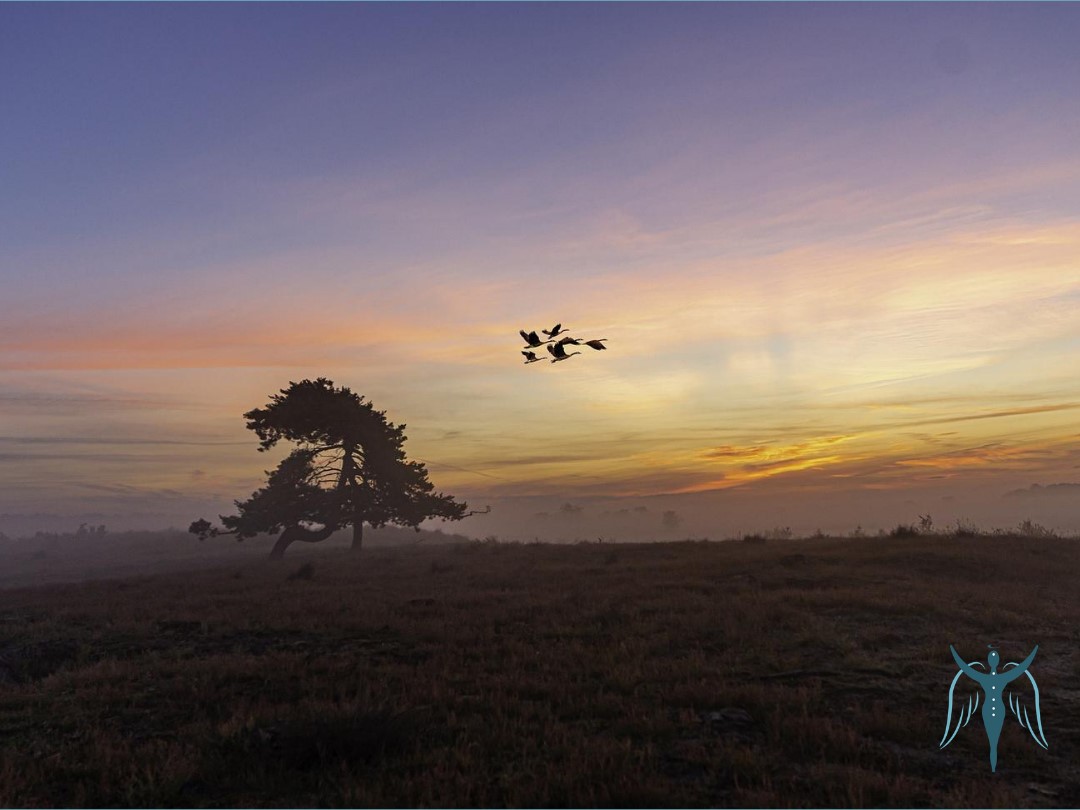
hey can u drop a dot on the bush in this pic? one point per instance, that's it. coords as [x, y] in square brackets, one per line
[965, 529]
[904, 530]
[1030, 528]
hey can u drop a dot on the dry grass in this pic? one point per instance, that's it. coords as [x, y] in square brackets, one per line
[784, 673]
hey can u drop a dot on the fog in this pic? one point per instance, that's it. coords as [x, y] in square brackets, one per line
[735, 513]
[732, 513]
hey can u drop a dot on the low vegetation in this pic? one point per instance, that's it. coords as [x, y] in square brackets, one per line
[772, 672]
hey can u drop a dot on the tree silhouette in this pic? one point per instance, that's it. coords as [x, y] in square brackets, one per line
[349, 469]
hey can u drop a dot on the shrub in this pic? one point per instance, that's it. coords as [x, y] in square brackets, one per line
[964, 528]
[1030, 528]
[904, 530]
[779, 533]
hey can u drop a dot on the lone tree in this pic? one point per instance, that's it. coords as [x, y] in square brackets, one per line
[348, 469]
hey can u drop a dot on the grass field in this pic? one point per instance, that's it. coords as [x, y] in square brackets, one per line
[783, 673]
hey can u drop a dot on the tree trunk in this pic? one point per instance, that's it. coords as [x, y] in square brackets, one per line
[293, 534]
[357, 535]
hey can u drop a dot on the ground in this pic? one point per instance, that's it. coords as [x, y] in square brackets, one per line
[783, 673]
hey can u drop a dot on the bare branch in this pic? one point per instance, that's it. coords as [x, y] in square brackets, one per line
[203, 529]
[483, 511]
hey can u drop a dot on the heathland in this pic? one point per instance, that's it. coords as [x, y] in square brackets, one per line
[766, 672]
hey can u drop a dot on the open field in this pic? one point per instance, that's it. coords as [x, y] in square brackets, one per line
[784, 673]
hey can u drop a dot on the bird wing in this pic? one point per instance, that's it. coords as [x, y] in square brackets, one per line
[959, 712]
[558, 350]
[551, 348]
[1019, 707]
[555, 329]
[524, 335]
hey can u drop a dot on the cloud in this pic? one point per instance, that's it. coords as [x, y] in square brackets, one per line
[997, 454]
[118, 441]
[1038, 491]
[547, 458]
[726, 452]
[59, 404]
[86, 458]
[999, 414]
[131, 489]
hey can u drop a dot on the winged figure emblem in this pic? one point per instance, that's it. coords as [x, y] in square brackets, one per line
[996, 699]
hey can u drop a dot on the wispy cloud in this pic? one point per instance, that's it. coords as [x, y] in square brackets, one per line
[1062, 490]
[118, 441]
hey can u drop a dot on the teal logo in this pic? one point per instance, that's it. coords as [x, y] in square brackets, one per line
[995, 697]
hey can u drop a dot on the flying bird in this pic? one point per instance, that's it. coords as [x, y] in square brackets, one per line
[569, 340]
[555, 330]
[597, 344]
[532, 339]
[530, 357]
[558, 351]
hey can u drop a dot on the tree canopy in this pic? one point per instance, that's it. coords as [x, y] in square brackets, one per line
[349, 468]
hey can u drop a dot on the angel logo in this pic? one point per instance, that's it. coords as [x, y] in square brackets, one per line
[993, 685]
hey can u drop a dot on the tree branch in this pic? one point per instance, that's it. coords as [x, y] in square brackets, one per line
[202, 529]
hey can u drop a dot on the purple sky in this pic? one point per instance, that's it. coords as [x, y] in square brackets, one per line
[833, 248]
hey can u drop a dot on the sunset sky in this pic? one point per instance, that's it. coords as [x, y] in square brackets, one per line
[834, 249]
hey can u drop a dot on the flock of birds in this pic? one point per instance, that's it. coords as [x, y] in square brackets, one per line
[556, 348]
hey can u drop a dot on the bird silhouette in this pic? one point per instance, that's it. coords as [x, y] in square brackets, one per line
[532, 339]
[596, 344]
[558, 351]
[555, 330]
[573, 341]
[530, 357]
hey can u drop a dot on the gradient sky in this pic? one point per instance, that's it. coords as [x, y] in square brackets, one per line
[834, 248]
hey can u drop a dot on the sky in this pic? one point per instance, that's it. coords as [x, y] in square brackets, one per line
[834, 250]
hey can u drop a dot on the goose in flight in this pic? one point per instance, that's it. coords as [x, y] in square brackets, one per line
[532, 339]
[596, 344]
[555, 330]
[558, 352]
[530, 357]
[573, 341]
